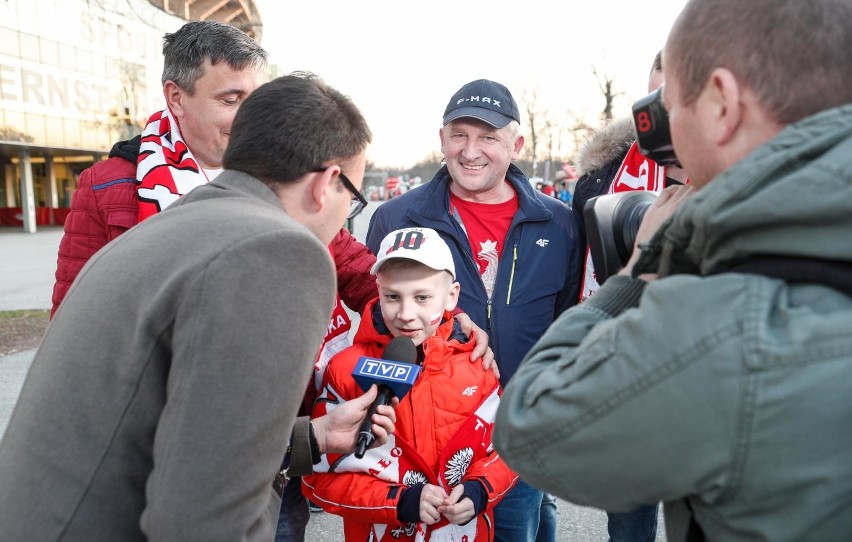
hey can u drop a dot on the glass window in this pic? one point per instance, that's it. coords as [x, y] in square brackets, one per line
[55, 131]
[68, 57]
[35, 128]
[29, 47]
[84, 61]
[72, 133]
[49, 52]
[15, 127]
[9, 42]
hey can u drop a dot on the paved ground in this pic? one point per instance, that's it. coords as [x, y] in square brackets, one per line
[27, 267]
[27, 264]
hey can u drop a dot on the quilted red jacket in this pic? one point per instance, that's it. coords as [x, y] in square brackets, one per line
[443, 437]
[103, 207]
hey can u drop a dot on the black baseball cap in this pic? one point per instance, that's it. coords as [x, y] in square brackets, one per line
[484, 100]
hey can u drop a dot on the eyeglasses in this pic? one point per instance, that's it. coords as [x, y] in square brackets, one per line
[358, 202]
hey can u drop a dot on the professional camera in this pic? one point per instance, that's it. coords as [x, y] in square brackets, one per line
[651, 123]
[611, 225]
[613, 220]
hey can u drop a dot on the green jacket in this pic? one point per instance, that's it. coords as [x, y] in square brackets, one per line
[729, 392]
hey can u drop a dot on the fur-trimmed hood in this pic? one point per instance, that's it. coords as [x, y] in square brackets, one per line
[605, 145]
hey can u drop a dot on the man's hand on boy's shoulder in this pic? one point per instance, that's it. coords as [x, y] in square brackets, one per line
[481, 350]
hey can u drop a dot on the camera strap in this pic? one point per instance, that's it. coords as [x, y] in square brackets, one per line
[795, 270]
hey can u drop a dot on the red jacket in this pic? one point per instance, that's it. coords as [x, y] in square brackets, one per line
[443, 437]
[103, 207]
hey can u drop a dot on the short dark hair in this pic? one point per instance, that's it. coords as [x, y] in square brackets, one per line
[293, 125]
[795, 56]
[658, 63]
[185, 51]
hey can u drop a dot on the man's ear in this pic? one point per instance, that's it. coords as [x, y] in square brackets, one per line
[519, 144]
[174, 98]
[321, 183]
[725, 98]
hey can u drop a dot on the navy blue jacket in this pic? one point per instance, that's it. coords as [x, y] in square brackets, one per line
[539, 271]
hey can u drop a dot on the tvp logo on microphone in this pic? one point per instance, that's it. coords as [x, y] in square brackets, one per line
[396, 375]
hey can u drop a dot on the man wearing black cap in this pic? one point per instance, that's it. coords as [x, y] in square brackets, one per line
[516, 251]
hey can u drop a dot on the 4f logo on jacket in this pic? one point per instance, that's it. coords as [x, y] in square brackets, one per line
[469, 391]
[542, 242]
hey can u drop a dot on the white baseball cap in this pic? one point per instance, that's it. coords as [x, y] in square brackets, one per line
[422, 245]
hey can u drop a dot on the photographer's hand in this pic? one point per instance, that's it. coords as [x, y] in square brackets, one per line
[669, 200]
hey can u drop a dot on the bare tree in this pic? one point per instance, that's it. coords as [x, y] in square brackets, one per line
[606, 84]
[579, 130]
[531, 109]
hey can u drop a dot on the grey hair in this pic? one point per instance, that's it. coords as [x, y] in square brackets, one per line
[186, 50]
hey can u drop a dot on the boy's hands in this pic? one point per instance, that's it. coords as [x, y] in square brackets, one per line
[430, 499]
[434, 503]
[457, 512]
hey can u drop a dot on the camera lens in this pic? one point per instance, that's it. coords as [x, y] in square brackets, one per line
[632, 219]
[612, 222]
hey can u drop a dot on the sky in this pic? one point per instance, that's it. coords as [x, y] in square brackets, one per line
[401, 61]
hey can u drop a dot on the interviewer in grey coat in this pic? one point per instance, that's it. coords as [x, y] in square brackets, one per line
[161, 401]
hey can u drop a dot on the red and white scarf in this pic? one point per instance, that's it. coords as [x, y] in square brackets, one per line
[165, 168]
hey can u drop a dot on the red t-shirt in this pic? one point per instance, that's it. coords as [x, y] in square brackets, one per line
[486, 225]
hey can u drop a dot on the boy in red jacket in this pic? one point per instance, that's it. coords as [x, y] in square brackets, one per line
[438, 477]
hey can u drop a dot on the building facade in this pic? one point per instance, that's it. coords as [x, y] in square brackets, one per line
[76, 76]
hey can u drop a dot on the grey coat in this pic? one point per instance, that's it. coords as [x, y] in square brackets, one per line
[726, 391]
[160, 402]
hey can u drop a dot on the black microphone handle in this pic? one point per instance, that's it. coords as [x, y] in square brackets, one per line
[366, 437]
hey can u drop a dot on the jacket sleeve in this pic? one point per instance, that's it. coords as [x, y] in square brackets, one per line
[355, 284]
[355, 496]
[88, 227]
[608, 401]
[358, 496]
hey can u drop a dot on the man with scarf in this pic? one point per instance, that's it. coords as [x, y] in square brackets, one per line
[209, 69]
[713, 372]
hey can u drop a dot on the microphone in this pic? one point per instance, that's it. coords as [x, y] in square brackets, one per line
[394, 375]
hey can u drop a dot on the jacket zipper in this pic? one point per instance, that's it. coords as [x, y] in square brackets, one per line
[512, 273]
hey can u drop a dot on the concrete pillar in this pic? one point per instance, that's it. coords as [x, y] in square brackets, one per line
[10, 184]
[27, 192]
[52, 194]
